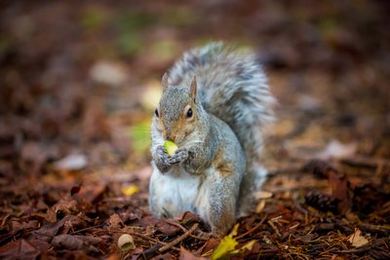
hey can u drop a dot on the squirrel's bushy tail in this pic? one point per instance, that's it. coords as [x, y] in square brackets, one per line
[233, 87]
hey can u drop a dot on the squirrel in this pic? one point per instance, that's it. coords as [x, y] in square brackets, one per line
[214, 105]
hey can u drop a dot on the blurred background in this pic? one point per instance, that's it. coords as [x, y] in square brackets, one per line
[83, 78]
[79, 81]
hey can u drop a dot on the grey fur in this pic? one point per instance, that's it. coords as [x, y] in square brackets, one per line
[231, 89]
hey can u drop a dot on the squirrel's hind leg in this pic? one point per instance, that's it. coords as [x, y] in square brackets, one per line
[217, 204]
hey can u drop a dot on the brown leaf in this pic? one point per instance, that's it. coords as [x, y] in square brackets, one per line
[187, 255]
[20, 249]
[66, 206]
[338, 182]
[188, 217]
[209, 246]
[75, 189]
[93, 192]
[48, 231]
[115, 221]
[167, 228]
[67, 241]
[340, 190]
[74, 242]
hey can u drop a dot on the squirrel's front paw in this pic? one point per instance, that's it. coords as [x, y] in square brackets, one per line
[161, 159]
[180, 155]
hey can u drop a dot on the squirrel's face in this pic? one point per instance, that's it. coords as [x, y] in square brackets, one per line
[176, 114]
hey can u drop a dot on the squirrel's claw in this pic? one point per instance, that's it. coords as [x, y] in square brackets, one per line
[162, 159]
[179, 156]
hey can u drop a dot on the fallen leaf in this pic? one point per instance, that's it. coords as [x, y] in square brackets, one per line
[263, 195]
[248, 246]
[93, 192]
[67, 241]
[20, 249]
[66, 206]
[260, 206]
[75, 189]
[210, 245]
[166, 228]
[115, 221]
[356, 239]
[187, 255]
[226, 246]
[75, 242]
[130, 190]
[48, 231]
[340, 190]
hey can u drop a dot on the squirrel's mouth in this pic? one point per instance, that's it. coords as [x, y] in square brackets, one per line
[169, 136]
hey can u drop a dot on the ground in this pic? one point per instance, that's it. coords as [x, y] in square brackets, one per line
[77, 89]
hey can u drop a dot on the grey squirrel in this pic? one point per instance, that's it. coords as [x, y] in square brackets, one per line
[214, 105]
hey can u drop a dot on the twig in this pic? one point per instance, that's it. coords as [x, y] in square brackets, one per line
[173, 223]
[375, 228]
[179, 239]
[185, 230]
[281, 171]
[253, 229]
[320, 185]
[87, 228]
[274, 228]
[148, 238]
[202, 235]
[365, 162]
[5, 220]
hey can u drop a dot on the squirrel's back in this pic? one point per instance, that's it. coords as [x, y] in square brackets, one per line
[233, 87]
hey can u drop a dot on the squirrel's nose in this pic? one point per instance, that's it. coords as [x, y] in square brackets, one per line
[169, 136]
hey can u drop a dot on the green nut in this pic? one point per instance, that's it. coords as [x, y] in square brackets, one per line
[170, 147]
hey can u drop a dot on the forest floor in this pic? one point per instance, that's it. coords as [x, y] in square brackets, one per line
[78, 87]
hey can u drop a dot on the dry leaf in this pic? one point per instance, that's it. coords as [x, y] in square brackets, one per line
[356, 239]
[263, 195]
[260, 206]
[187, 255]
[248, 246]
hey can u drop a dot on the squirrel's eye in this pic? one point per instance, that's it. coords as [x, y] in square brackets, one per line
[156, 112]
[189, 113]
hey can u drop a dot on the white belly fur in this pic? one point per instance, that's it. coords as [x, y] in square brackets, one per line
[176, 192]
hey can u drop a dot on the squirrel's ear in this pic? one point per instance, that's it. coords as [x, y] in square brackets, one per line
[164, 80]
[194, 87]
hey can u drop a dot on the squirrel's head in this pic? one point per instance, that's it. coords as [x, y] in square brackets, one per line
[177, 113]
